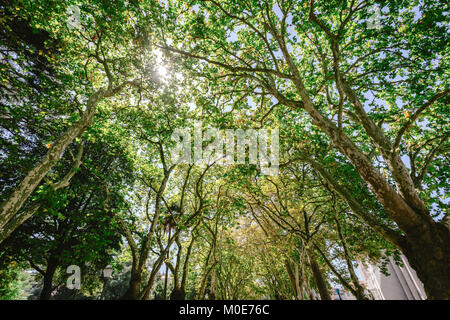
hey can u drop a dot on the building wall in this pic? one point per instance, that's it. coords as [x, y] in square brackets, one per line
[401, 284]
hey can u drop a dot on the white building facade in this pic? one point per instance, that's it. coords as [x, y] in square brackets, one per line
[401, 284]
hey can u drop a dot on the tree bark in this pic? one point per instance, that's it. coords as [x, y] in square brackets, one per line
[47, 288]
[22, 192]
[177, 294]
[429, 255]
[165, 283]
[145, 295]
[319, 278]
[294, 280]
[134, 287]
[179, 290]
[206, 272]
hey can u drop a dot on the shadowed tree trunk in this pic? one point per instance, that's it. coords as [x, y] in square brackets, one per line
[319, 278]
[294, 280]
[48, 280]
[134, 287]
[179, 289]
[140, 256]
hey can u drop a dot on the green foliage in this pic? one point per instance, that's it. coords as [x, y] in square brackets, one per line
[229, 65]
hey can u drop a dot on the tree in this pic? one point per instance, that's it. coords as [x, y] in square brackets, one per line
[73, 227]
[96, 41]
[93, 95]
[321, 58]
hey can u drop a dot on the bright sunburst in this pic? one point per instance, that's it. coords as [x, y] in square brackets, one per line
[162, 71]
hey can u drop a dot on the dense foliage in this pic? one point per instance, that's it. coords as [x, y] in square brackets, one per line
[91, 93]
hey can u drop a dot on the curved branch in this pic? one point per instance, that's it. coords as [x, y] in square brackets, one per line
[416, 114]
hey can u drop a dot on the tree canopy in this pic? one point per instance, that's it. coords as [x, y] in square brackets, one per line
[96, 96]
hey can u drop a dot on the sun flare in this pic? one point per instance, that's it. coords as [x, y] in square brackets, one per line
[162, 71]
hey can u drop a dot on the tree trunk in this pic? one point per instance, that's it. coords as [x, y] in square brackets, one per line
[146, 294]
[292, 278]
[307, 282]
[33, 178]
[166, 277]
[48, 281]
[23, 215]
[177, 294]
[17, 220]
[206, 271]
[425, 245]
[134, 288]
[212, 291]
[179, 291]
[429, 255]
[297, 283]
[318, 278]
